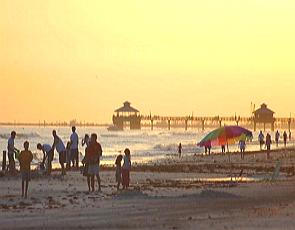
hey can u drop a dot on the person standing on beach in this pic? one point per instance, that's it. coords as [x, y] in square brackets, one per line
[74, 139]
[277, 138]
[290, 135]
[208, 149]
[119, 171]
[179, 150]
[261, 139]
[222, 149]
[68, 155]
[242, 145]
[47, 155]
[285, 136]
[268, 144]
[11, 151]
[86, 140]
[25, 158]
[61, 150]
[126, 169]
[92, 157]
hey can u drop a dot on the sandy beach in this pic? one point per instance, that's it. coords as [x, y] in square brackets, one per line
[169, 194]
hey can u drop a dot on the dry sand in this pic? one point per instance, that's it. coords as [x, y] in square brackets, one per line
[163, 195]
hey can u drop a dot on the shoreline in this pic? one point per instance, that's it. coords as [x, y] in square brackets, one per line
[195, 191]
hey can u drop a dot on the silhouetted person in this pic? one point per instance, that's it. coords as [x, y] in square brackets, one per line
[48, 153]
[290, 135]
[261, 139]
[285, 136]
[74, 139]
[126, 169]
[208, 149]
[242, 145]
[61, 149]
[25, 158]
[277, 137]
[179, 150]
[11, 151]
[92, 157]
[86, 140]
[119, 170]
[268, 144]
[223, 149]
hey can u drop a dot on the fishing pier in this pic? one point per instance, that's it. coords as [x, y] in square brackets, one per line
[262, 118]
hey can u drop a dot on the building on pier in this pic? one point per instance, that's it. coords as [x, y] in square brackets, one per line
[127, 116]
[264, 116]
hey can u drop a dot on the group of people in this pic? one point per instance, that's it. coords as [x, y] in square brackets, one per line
[68, 158]
[267, 140]
[263, 141]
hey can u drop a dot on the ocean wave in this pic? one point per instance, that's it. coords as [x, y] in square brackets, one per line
[21, 135]
[187, 148]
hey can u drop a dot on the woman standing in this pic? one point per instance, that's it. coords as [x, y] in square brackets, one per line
[126, 169]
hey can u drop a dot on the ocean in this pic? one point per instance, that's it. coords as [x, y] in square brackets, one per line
[146, 145]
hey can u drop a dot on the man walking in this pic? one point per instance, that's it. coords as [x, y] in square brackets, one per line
[74, 140]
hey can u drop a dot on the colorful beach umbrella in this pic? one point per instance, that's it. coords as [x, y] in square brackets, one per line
[225, 135]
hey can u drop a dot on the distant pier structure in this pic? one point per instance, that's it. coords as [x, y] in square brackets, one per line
[127, 116]
[264, 116]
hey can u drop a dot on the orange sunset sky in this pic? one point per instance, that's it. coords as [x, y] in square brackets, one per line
[62, 60]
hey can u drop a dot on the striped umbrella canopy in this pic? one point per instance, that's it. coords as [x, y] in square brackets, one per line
[225, 135]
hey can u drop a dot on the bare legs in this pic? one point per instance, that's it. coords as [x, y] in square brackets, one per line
[88, 183]
[25, 189]
[63, 171]
[98, 182]
[91, 183]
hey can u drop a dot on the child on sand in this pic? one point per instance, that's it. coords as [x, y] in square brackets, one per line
[118, 170]
[25, 159]
[126, 169]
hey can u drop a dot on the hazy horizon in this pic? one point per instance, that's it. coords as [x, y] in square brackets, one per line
[64, 60]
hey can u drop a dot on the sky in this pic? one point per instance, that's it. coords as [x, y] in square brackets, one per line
[72, 59]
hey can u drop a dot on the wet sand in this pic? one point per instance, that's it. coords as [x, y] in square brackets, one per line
[170, 194]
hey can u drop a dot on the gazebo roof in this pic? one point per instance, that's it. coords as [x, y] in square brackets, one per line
[126, 108]
[263, 110]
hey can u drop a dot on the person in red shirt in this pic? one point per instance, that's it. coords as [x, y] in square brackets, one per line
[93, 153]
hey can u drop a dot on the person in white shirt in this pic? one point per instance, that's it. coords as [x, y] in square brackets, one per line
[11, 151]
[61, 149]
[74, 140]
[47, 155]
